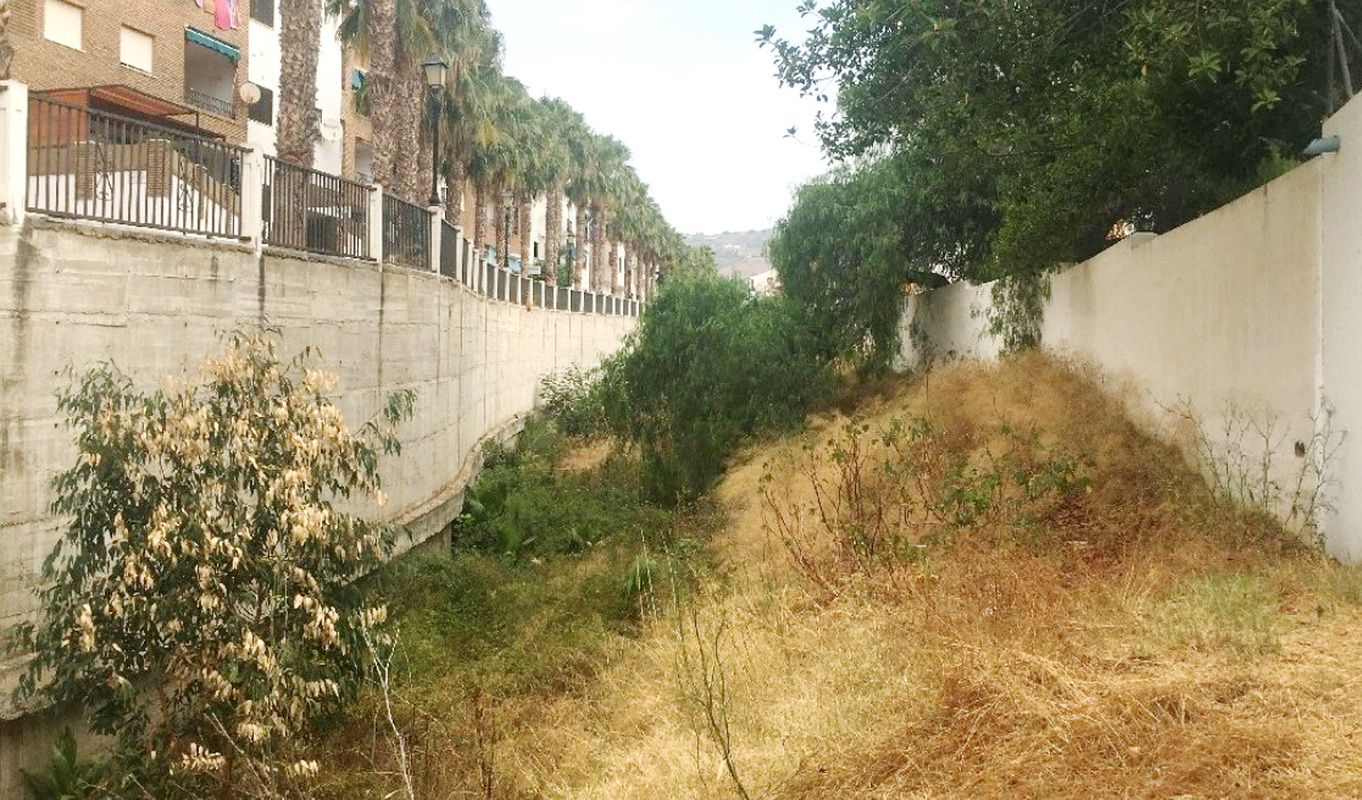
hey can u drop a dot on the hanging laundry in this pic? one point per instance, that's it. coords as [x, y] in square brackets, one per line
[222, 14]
[209, 7]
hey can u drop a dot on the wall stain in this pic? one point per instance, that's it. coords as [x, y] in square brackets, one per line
[12, 378]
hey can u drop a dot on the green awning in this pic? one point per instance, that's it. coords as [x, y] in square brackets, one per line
[212, 43]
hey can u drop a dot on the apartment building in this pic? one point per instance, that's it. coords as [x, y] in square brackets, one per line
[184, 64]
[176, 63]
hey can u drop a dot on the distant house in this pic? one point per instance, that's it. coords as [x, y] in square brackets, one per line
[765, 284]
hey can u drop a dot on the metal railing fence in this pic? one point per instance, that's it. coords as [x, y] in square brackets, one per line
[305, 209]
[406, 233]
[89, 164]
[449, 249]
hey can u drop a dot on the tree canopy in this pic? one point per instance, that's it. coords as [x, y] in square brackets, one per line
[980, 139]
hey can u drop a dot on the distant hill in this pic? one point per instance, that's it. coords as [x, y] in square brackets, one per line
[737, 253]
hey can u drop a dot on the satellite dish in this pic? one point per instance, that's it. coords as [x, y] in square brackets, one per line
[249, 93]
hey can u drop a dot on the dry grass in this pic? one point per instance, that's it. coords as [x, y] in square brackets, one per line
[1149, 643]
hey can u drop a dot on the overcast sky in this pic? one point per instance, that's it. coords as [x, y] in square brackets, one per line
[683, 85]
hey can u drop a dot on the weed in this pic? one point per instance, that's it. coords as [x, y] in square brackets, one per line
[1232, 611]
[895, 493]
[67, 777]
[1241, 462]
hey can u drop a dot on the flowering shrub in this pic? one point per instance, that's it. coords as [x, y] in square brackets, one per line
[201, 603]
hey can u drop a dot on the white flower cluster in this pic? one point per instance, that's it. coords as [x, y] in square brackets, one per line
[197, 758]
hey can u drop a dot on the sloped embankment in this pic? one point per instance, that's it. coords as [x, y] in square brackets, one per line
[987, 585]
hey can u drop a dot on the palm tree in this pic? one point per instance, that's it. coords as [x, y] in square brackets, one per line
[581, 180]
[396, 36]
[474, 52]
[300, 33]
[497, 156]
[566, 129]
[6, 48]
[609, 159]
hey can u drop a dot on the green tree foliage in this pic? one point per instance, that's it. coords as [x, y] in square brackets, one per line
[1012, 136]
[708, 366]
[843, 254]
[200, 603]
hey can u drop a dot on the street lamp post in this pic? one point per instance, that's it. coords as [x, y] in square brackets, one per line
[435, 69]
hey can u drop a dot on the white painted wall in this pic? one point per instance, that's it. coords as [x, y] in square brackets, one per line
[1340, 358]
[1252, 312]
[263, 70]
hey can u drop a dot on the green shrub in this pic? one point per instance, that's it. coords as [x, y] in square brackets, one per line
[709, 366]
[521, 504]
[572, 399]
[203, 556]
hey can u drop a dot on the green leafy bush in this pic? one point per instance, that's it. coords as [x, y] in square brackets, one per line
[200, 604]
[572, 399]
[709, 366]
[521, 504]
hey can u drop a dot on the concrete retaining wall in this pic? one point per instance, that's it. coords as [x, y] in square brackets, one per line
[72, 294]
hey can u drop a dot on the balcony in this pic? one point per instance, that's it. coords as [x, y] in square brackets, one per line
[210, 73]
[208, 102]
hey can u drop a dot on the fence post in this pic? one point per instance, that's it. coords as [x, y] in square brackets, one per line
[13, 151]
[458, 256]
[437, 216]
[376, 223]
[253, 197]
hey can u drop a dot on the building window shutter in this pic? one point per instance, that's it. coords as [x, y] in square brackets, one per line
[262, 11]
[262, 110]
[62, 23]
[135, 48]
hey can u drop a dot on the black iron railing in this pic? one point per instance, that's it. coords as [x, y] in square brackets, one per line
[92, 165]
[449, 249]
[406, 233]
[315, 211]
[209, 102]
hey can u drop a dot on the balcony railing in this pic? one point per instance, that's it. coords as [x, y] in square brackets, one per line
[406, 233]
[209, 102]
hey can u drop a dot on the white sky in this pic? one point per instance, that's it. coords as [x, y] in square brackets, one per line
[684, 86]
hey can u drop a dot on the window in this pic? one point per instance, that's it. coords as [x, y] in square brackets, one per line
[135, 48]
[62, 23]
[262, 11]
[262, 110]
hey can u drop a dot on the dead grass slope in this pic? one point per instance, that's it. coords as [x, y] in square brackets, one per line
[1119, 634]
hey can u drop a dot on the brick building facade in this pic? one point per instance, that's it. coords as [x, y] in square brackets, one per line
[172, 50]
